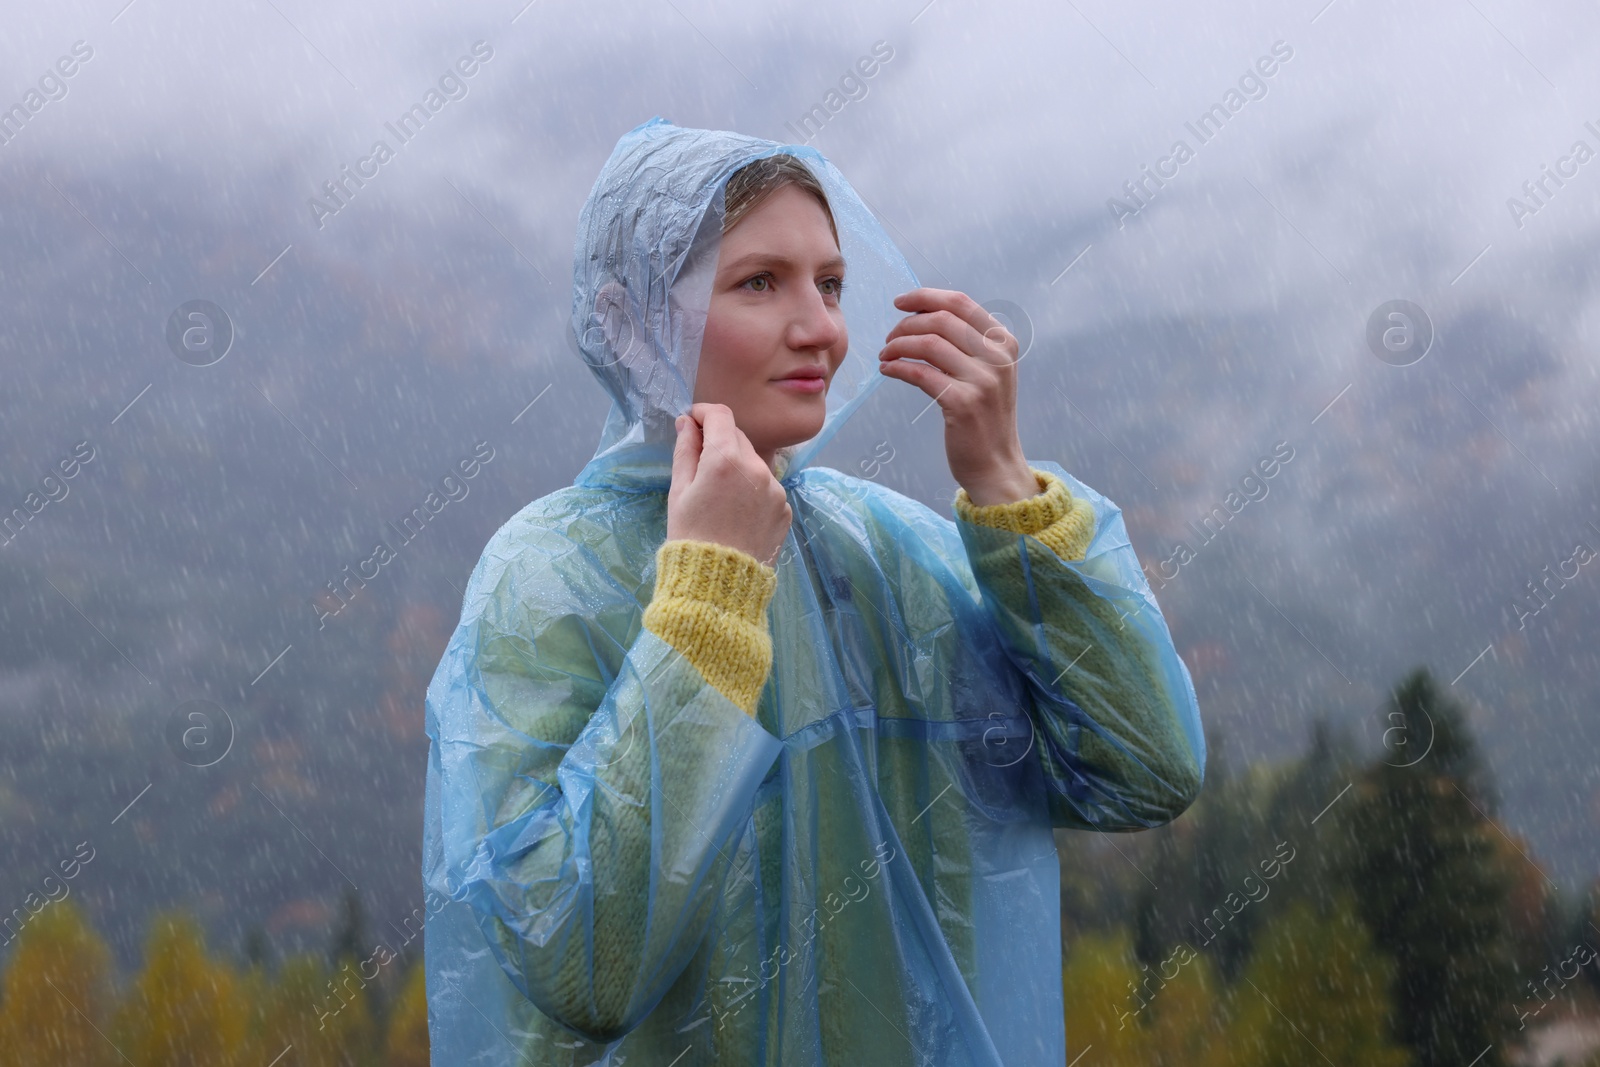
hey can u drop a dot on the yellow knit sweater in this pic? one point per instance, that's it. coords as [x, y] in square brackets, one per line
[710, 600]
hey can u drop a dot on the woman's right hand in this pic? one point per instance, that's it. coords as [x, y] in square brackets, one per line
[722, 491]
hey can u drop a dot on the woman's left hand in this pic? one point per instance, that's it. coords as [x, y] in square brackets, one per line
[969, 366]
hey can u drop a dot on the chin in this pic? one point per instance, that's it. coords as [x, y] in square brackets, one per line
[797, 431]
[807, 427]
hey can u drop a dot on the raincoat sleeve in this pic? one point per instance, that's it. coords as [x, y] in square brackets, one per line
[593, 780]
[1115, 714]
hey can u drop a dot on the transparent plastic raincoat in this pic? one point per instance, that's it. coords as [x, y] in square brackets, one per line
[623, 866]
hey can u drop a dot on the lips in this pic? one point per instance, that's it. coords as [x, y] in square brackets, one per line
[805, 381]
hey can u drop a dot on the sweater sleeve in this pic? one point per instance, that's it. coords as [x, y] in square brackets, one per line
[710, 603]
[1053, 515]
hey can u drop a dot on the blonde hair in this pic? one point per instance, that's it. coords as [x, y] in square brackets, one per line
[755, 181]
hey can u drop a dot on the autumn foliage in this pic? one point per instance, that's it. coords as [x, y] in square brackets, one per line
[61, 1006]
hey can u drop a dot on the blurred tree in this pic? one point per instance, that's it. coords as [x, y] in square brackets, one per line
[1101, 1011]
[1584, 929]
[1455, 751]
[1422, 866]
[1316, 990]
[407, 1041]
[1315, 784]
[256, 948]
[1224, 836]
[350, 931]
[184, 1010]
[56, 993]
[1096, 886]
[1535, 909]
[1183, 1019]
[328, 1023]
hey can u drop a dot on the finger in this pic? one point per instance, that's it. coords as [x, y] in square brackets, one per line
[686, 453]
[928, 378]
[936, 350]
[961, 306]
[947, 324]
[724, 439]
[720, 429]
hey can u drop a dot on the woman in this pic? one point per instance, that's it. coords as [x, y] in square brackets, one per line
[736, 760]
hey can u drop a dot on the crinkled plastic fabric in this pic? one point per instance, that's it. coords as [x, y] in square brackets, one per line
[624, 867]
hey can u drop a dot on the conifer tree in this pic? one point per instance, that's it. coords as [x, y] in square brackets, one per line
[350, 933]
[1421, 863]
[257, 949]
[1200, 864]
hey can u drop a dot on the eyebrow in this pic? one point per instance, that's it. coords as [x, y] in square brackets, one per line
[752, 259]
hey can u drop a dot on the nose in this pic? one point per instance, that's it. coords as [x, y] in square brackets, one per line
[813, 323]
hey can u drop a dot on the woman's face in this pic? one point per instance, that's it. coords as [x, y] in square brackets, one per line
[774, 312]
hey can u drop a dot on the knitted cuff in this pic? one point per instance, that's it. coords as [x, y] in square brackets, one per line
[710, 603]
[1056, 517]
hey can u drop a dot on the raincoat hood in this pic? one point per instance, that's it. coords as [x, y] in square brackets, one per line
[643, 263]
